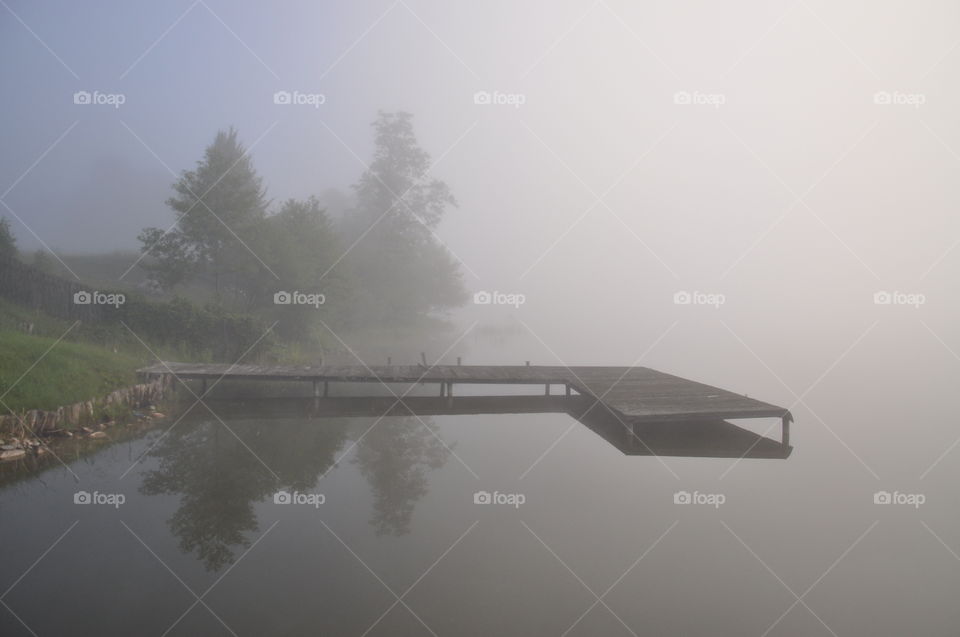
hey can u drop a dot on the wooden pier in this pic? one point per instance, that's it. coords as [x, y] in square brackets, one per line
[635, 394]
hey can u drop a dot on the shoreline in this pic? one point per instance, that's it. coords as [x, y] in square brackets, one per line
[22, 434]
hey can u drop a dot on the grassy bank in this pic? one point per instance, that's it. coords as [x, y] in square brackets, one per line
[67, 373]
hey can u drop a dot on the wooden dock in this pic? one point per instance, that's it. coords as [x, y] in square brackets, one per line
[636, 394]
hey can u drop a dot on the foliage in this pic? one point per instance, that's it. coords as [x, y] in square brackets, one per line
[220, 205]
[402, 270]
[209, 332]
[8, 242]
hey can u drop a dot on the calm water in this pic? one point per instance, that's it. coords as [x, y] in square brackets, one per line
[386, 537]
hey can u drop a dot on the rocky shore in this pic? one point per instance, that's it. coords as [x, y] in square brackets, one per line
[23, 434]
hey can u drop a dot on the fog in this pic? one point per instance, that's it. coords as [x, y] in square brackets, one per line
[761, 196]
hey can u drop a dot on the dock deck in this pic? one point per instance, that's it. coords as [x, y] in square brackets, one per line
[639, 394]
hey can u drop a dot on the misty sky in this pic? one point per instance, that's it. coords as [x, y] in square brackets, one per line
[785, 183]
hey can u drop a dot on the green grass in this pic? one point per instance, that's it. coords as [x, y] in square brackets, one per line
[67, 373]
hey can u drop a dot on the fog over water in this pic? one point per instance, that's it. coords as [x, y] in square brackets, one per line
[757, 196]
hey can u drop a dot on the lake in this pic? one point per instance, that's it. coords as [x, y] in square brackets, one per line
[257, 518]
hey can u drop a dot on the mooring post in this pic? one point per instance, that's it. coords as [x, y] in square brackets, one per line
[389, 362]
[458, 361]
[423, 359]
[528, 363]
[785, 430]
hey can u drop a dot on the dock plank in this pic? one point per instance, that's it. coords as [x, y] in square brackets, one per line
[638, 393]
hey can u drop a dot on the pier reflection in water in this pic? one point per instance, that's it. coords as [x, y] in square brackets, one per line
[299, 440]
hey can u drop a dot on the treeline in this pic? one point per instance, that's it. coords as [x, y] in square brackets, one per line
[247, 262]
[380, 263]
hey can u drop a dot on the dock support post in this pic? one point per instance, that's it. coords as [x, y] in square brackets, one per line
[389, 361]
[450, 390]
[326, 388]
[458, 361]
[568, 389]
[423, 359]
[443, 389]
[785, 430]
[316, 388]
[546, 389]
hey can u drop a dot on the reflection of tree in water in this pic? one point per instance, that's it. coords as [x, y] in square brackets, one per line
[219, 479]
[393, 458]
[206, 466]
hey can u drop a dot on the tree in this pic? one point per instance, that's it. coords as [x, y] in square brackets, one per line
[402, 269]
[220, 205]
[299, 244]
[8, 242]
[44, 262]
